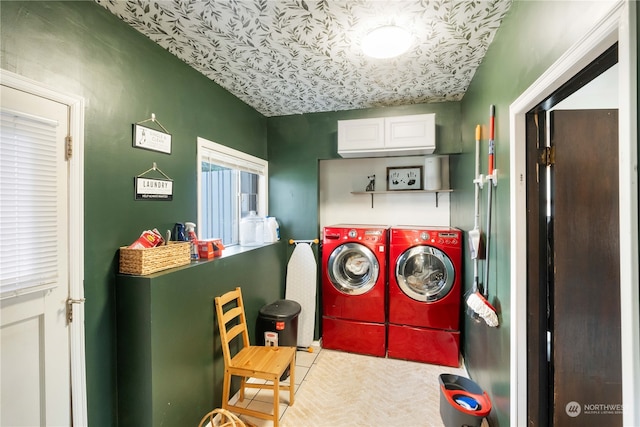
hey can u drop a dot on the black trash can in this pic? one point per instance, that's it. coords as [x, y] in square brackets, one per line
[277, 325]
[462, 402]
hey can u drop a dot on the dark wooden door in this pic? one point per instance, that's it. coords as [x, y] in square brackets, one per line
[584, 291]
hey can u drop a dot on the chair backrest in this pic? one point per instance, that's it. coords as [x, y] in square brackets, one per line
[231, 322]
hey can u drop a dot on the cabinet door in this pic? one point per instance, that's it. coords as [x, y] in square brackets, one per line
[417, 131]
[362, 135]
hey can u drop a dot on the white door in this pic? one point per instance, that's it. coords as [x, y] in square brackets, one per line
[35, 346]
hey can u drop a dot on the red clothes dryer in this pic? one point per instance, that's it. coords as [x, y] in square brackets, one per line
[354, 272]
[425, 294]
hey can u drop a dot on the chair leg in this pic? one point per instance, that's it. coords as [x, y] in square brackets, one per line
[292, 380]
[276, 401]
[243, 381]
[226, 385]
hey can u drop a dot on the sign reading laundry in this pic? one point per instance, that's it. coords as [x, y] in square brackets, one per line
[153, 189]
[151, 139]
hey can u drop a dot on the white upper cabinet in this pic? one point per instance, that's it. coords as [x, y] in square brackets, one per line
[389, 136]
[411, 132]
[360, 135]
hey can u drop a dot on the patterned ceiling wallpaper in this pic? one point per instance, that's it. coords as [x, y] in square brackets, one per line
[287, 57]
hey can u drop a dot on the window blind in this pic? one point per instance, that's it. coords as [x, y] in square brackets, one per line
[232, 162]
[28, 203]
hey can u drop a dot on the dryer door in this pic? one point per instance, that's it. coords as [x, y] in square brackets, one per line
[353, 268]
[425, 273]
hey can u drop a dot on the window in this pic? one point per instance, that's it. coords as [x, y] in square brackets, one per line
[29, 211]
[231, 184]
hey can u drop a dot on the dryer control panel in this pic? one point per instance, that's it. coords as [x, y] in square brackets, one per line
[441, 237]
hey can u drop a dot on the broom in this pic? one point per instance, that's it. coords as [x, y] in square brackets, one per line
[476, 300]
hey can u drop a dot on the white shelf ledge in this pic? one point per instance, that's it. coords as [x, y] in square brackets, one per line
[372, 193]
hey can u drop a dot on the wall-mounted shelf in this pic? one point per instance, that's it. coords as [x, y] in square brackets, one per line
[372, 193]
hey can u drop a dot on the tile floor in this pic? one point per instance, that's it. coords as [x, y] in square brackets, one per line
[335, 389]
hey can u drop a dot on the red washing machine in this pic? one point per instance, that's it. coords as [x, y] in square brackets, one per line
[425, 274]
[354, 272]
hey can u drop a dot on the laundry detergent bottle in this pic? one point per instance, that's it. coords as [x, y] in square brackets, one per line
[271, 230]
[193, 238]
[251, 230]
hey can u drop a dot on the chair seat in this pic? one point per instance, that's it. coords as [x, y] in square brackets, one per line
[256, 361]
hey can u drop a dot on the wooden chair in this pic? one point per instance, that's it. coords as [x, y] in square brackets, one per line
[266, 363]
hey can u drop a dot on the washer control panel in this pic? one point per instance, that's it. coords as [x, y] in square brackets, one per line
[355, 234]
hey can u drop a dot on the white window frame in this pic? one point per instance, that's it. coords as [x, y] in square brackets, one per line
[230, 156]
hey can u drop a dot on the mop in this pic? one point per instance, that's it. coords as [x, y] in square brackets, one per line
[477, 301]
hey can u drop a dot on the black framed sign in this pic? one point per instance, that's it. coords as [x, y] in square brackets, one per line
[404, 178]
[151, 139]
[153, 189]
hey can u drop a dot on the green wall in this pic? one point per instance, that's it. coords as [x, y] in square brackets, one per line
[82, 49]
[532, 37]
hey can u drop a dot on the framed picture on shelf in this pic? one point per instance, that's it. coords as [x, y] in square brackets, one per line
[404, 178]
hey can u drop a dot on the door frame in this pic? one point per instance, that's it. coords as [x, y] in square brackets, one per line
[619, 24]
[76, 232]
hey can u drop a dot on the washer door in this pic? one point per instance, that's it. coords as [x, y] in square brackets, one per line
[353, 268]
[425, 273]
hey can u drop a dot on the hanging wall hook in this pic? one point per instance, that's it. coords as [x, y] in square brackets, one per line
[154, 167]
[154, 120]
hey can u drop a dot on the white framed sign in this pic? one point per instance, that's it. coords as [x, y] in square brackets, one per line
[151, 139]
[153, 189]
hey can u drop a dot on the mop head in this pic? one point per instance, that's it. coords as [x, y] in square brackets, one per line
[482, 308]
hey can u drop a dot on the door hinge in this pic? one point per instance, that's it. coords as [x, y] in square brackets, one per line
[547, 156]
[68, 147]
[70, 303]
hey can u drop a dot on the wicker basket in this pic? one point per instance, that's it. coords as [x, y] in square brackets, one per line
[146, 261]
[222, 418]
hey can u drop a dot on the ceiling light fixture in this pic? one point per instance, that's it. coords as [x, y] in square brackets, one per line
[386, 42]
